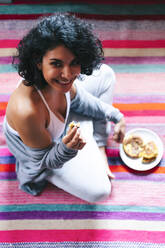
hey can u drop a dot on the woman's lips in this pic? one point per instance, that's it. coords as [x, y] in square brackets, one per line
[62, 82]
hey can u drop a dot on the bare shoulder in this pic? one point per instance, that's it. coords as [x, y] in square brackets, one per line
[26, 114]
[24, 105]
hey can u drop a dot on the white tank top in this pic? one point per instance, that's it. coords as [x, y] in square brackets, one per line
[56, 126]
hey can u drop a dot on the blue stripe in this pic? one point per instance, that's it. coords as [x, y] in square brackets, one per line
[105, 9]
[81, 244]
[81, 207]
[7, 68]
[144, 68]
[7, 160]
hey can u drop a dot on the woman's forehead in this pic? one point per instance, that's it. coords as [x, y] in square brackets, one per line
[59, 52]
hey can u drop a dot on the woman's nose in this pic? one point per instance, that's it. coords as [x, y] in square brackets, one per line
[66, 73]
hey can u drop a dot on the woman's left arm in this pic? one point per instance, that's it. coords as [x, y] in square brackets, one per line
[86, 104]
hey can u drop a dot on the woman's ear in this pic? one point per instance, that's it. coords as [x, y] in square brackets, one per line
[39, 66]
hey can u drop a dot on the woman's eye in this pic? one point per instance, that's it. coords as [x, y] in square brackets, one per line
[56, 64]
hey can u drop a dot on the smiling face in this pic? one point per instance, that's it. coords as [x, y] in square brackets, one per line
[60, 68]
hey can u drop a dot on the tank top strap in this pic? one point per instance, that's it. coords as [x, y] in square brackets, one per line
[43, 98]
[68, 103]
[67, 95]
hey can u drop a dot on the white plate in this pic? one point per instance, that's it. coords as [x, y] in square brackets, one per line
[136, 163]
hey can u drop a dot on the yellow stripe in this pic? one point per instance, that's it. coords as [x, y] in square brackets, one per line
[133, 52]
[4, 52]
[109, 52]
[82, 224]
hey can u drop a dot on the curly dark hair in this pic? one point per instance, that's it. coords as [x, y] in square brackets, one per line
[59, 29]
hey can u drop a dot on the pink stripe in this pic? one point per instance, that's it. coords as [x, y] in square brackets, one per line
[106, 43]
[1, 118]
[11, 194]
[18, 32]
[4, 98]
[143, 83]
[144, 120]
[115, 153]
[135, 60]
[141, 193]
[112, 153]
[82, 236]
[133, 43]
[8, 82]
[2, 112]
[144, 113]
[8, 43]
[148, 194]
[5, 152]
[103, 31]
[129, 35]
[140, 41]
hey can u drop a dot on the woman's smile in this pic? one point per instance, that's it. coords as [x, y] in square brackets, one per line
[63, 82]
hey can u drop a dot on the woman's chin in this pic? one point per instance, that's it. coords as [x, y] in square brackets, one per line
[65, 87]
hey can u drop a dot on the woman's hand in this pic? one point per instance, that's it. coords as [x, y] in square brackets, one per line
[73, 139]
[119, 131]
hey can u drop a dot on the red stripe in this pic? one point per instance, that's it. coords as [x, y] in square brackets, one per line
[105, 43]
[2, 112]
[128, 113]
[22, 16]
[7, 167]
[90, 16]
[133, 43]
[8, 43]
[81, 236]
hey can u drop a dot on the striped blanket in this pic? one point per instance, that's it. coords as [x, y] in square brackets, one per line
[133, 37]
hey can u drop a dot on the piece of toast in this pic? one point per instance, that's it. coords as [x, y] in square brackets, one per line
[150, 152]
[74, 124]
[133, 146]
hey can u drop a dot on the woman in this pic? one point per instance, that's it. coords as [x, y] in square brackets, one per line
[55, 60]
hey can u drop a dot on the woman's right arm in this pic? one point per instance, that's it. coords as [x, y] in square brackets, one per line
[38, 152]
[31, 126]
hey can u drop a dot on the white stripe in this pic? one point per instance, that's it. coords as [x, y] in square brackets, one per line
[7, 52]
[113, 52]
[82, 224]
[134, 52]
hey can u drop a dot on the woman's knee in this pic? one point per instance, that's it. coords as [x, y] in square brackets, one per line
[106, 85]
[100, 194]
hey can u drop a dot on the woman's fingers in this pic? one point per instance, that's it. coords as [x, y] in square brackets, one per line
[73, 139]
[69, 136]
[119, 131]
[118, 136]
[80, 144]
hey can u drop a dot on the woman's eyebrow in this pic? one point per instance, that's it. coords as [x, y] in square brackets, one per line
[59, 60]
[55, 59]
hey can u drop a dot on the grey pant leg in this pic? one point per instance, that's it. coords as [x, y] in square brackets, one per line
[100, 84]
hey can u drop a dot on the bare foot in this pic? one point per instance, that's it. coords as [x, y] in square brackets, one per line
[109, 173]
